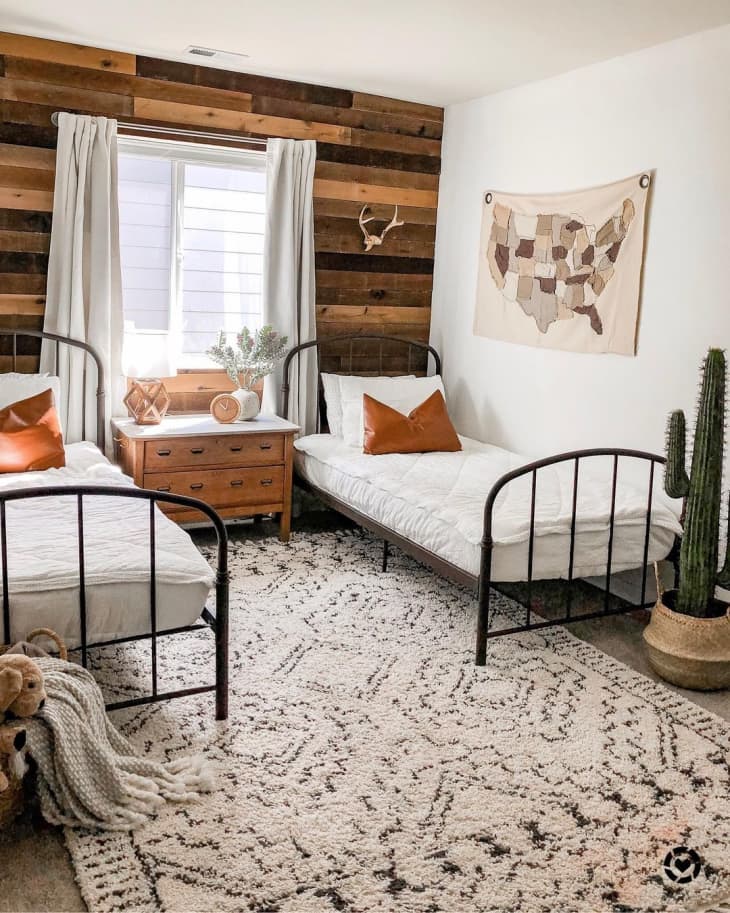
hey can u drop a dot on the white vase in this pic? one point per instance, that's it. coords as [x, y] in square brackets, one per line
[250, 406]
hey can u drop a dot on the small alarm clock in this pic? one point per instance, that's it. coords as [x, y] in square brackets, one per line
[225, 408]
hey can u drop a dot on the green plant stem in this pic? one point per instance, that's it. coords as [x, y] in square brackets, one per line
[676, 480]
[699, 550]
[723, 578]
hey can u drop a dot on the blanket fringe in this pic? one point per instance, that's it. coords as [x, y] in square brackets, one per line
[88, 774]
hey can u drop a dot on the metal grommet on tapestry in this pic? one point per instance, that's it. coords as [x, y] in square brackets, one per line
[488, 197]
[644, 181]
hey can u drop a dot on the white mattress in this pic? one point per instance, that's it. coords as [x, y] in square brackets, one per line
[437, 501]
[43, 558]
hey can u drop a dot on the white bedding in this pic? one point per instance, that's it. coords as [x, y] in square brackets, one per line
[437, 501]
[43, 557]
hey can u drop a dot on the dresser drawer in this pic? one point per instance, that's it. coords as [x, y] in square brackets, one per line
[226, 450]
[223, 488]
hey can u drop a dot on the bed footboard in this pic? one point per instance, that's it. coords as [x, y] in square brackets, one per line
[218, 621]
[487, 546]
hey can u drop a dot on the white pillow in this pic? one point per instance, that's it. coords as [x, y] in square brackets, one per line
[401, 393]
[333, 398]
[15, 386]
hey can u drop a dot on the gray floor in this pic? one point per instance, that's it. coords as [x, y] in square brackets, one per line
[35, 871]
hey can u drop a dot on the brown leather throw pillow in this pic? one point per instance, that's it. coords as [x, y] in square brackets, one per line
[426, 429]
[30, 435]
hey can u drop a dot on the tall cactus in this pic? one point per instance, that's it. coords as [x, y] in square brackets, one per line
[703, 488]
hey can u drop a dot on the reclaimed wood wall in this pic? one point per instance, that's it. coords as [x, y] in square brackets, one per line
[373, 150]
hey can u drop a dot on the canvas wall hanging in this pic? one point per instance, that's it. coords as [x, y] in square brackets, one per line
[563, 271]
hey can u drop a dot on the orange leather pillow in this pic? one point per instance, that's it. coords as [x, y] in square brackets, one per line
[426, 429]
[30, 435]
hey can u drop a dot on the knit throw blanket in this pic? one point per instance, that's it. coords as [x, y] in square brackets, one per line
[88, 773]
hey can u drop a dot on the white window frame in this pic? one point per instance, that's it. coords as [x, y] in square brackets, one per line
[182, 153]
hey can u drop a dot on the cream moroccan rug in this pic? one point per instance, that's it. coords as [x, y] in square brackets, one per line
[368, 765]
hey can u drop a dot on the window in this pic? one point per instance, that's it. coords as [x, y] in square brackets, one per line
[192, 242]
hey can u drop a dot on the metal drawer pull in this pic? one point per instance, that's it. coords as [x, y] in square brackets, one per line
[266, 481]
[265, 446]
[197, 449]
[164, 452]
[236, 482]
[236, 449]
[164, 487]
[196, 486]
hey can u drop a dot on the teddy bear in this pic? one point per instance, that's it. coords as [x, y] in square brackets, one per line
[12, 762]
[21, 686]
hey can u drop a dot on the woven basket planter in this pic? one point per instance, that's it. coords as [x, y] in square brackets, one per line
[689, 652]
[43, 632]
[12, 800]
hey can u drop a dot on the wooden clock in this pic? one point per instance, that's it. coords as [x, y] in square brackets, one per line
[225, 408]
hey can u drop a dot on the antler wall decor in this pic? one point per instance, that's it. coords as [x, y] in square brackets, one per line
[372, 241]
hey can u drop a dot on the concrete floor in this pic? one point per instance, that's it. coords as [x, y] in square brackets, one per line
[35, 869]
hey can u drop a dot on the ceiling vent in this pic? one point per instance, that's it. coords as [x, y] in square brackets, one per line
[214, 54]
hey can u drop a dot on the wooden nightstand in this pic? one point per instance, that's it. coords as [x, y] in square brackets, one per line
[243, 469]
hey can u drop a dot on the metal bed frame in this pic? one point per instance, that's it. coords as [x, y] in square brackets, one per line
[217, 620]
[483, 583]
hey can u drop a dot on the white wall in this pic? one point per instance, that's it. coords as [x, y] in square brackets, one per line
[666, 108]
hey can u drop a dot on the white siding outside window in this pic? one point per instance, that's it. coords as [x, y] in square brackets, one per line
[145, 214]
[192, 240]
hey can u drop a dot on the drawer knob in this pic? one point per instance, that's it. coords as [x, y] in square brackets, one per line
[164, 487]
[163, 452]
[196, 486]
[265, 446]
[266, 481]
[236, 483]
[197, 449]
[236, 449]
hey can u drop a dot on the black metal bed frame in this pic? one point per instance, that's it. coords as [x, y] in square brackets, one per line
[217, 620]
[483, 583]
[316, 344]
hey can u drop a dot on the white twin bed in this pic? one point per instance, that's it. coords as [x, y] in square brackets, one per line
[436, 500]
[482, 515]
[101, 563]
[43, 557]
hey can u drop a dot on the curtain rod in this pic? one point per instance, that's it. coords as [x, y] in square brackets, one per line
[178, 131]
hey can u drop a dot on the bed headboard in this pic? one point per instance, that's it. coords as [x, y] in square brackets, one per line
[9, 350]
[363, 354]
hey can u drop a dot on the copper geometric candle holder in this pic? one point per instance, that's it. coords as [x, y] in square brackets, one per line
[147, 401]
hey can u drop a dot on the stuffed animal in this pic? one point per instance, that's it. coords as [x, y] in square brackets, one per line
[21, 686]
[12, 762]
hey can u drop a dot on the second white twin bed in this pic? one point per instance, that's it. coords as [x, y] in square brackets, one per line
[436, 500]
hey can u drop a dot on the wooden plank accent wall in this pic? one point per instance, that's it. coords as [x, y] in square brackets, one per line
[379, 151]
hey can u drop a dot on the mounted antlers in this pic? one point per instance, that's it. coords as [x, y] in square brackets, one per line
[372, 241]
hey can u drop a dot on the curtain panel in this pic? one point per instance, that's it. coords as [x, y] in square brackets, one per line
[84, 294]
[289, 288]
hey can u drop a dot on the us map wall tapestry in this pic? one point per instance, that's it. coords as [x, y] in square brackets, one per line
[563, 271]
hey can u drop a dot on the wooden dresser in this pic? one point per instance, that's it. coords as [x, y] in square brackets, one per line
[243, 469]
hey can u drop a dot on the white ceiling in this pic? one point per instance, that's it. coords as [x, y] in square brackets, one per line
[434, 51]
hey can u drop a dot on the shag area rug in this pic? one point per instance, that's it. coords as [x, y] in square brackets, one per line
[369, 765]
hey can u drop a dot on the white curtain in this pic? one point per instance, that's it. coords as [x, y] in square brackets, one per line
[84, 295]
[289, 271]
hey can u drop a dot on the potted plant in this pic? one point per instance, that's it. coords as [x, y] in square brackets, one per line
[254, 357]
[688, 638]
